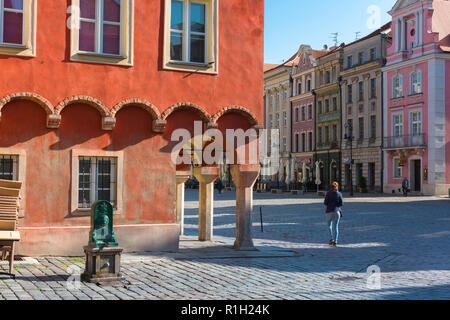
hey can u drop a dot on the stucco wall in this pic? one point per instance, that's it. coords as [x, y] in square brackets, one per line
[148, 174]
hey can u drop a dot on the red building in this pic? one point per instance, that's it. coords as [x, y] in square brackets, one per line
[90, 94]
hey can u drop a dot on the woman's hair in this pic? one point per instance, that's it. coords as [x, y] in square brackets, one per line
[335, 185]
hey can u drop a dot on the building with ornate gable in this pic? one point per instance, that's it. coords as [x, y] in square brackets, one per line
[416, 82]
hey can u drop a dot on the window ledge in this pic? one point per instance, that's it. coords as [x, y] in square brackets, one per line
[16, 50]
[86, 212]
[101, 58]
[191, 67]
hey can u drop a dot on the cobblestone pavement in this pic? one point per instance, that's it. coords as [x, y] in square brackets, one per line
[406, 238]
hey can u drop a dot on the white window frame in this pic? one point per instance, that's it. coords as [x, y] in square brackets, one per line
[400, 125]
[94, 175]
[187, 33]
[396, 168]
[397, 90]
[28, 46]
[417, 123]
[211, 34]
[99, 24]
[83, 153]
[126, 49]
[2, 31]
[415, 82]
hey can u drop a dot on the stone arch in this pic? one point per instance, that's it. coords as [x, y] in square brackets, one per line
[147, 106]
[236, 109]
[158, 124]
[53, 120]
[44, 103]
[97, 104]
[187, 106]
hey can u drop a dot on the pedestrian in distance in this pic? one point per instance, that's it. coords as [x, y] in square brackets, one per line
[219, 186]
[334, 203]
[405, 186]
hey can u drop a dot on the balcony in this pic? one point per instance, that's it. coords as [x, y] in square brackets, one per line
[405, 142]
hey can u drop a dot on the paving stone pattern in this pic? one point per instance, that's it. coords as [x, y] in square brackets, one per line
[406, 238]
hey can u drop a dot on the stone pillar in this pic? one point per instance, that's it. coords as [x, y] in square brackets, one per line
[182, 177]
[244, 177]
[206, 177]
[403, 34]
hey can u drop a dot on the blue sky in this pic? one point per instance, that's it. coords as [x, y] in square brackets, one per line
[290, 23]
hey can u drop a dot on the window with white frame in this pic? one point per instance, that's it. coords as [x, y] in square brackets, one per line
[8, 167]
[397, 86]
[11, 22]
[416, 123]
[278, 120]
[416, 82]
[192, 34]
[18, 27]
[285, 118]
[96, 180]
[100, 25]
[397, 122]
[102, 31]
[271, 121]
[397, 169]
[188, 31]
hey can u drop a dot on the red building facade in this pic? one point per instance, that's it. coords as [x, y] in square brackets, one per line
[90, 93]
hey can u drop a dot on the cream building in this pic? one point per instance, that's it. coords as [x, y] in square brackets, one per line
[277, 115]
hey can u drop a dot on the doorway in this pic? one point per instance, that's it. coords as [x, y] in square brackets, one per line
[415, 173]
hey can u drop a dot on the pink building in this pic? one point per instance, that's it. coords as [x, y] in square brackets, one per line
[303, 111]
[417, 98]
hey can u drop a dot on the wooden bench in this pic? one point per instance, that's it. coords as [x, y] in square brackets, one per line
[9, 220]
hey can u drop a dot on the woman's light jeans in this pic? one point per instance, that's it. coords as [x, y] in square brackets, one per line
[333, 219]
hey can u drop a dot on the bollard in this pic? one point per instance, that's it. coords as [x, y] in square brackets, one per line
[261, 219]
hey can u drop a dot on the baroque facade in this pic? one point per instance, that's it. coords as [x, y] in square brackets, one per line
[303, 115]
[416, 98]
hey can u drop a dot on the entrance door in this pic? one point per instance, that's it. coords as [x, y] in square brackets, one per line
[416, 169]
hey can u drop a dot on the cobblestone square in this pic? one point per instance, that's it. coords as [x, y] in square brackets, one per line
[406, 238]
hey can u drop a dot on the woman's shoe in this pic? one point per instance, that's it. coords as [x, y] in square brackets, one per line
[331, 242]
[334, 244]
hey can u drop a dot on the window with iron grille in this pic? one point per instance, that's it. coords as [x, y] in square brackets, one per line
[8, 167]
[97, 180]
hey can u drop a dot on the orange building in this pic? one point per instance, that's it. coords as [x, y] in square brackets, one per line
[90, 92]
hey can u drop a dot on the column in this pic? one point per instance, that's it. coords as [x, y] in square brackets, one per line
[206, 177]
[403, 34]
[244, 177]
[420, 28]
[182, 177]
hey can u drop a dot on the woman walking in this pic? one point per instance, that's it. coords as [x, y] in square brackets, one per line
[334, 203]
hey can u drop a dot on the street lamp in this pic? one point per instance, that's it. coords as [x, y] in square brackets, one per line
[349, 137]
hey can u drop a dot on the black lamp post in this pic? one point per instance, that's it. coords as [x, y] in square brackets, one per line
[349, 137]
